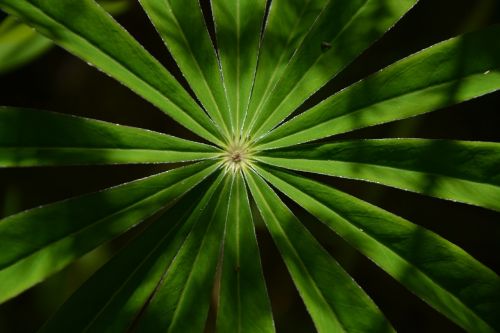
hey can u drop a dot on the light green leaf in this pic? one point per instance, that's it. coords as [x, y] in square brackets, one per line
[88, 31]
[36, 138]
[181, 301]
[243, 303]
[447, 73]
[121, 288]
[20, 44]
[456, 170]
[329, 46]
[439, 272]
[39, 242]
[285, 28]
[182, 28]
[334, 301]
[238, 26]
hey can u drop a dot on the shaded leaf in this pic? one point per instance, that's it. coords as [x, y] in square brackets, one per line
[334, 301]
[357, 24]
[447, 73]
[439, 272]
[182, 299]
[124, 285]
[39, 242]
[243, 302]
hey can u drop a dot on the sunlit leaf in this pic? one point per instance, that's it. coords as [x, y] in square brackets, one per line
[88, 31]
[36, 138]
[182, 28]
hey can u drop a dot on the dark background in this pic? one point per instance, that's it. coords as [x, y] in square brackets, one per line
[60, 82]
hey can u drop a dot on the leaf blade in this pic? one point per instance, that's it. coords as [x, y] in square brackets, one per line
[463, 171]
[39, 138]
[121, 288]
[31, 251]
[88, 31]
[439, 272]
[285, 28]
[238, 25]
[359, 23]
[244, 305]
[184, 287]
[463, 68]
[182, 28]
[313, 270]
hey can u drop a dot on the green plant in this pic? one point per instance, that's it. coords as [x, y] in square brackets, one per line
[162, 281]
[20, 44]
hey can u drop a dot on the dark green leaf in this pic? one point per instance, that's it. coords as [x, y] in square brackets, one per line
[243, 303]
[447, 73]
[41, 241]
[182, 299]
[334, 301]
[439, 272]
[124, 285]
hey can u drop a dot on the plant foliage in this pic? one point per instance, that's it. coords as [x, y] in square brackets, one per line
[247, 89]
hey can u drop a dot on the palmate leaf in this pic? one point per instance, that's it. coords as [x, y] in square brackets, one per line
[85, 29]
[37, 138]
[436, 270]
[41, 241]
[164, 279]
[457, 170]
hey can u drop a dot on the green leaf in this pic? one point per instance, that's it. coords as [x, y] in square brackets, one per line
[329, 46]
[39, 242]
[464, 171]
[238, 25]
[447, 73]
[121, 288]
[182, 27]
[88, 31]
[181, 301]
[115, 7]
[36, 138]
[19, 44]
[335, 302]
[286, 26]
[243, 303]
[439, 272]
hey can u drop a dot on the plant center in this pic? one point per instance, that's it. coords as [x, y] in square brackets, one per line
[237, 156]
